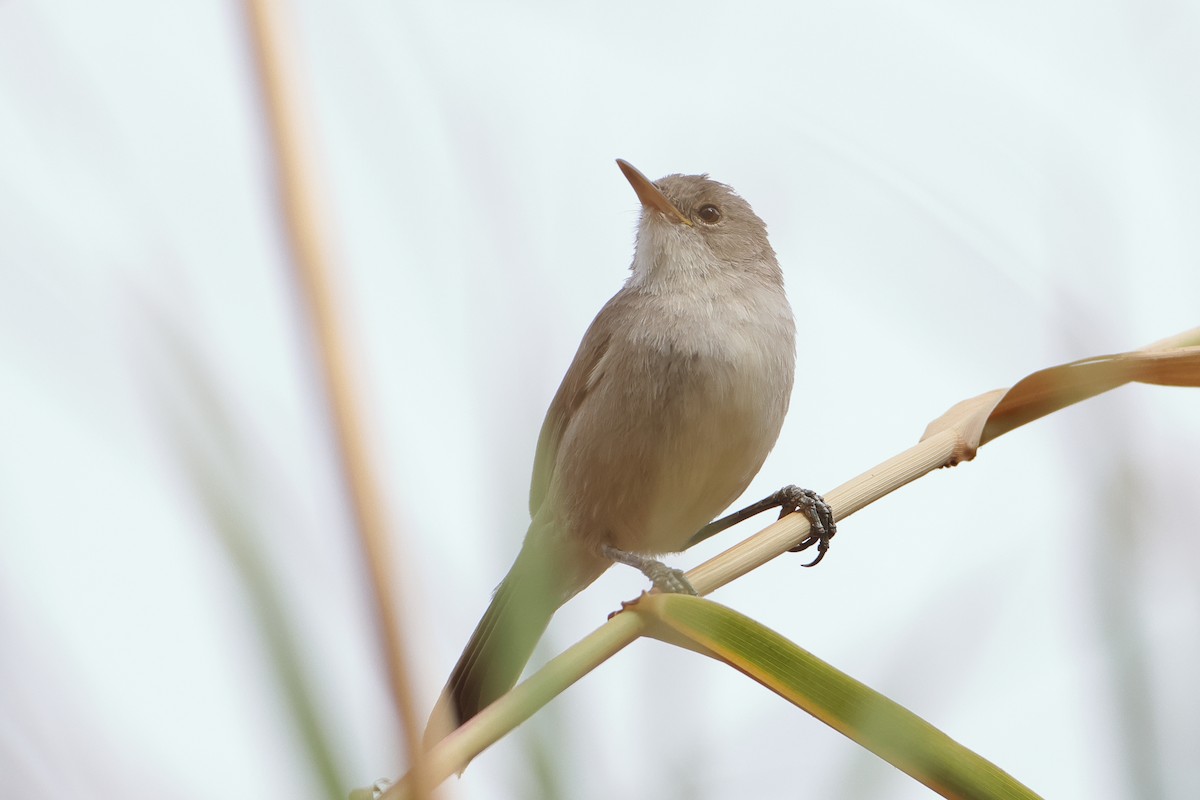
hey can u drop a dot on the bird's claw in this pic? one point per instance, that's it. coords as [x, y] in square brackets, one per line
[819, 516]
[665, 579]
[670, 580]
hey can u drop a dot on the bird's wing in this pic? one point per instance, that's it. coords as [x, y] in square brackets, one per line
[584, 374]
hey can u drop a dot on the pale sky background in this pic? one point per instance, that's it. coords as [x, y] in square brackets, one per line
[959, 194]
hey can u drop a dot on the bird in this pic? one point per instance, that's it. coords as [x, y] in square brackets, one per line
[674, 399]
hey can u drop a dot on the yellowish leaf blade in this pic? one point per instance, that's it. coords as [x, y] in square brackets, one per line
[979, 420]
[885, 728]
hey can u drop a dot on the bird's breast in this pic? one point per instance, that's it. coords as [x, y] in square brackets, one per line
[678, 425]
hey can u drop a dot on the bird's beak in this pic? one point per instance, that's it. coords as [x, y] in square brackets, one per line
[649, 194]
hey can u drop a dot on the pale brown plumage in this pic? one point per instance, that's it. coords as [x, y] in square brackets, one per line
[674, 399]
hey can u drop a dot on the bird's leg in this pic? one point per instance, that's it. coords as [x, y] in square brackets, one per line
[788, 500]
[665, 579]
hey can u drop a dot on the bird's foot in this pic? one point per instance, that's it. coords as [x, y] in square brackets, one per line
[818, 513]
[666, 579]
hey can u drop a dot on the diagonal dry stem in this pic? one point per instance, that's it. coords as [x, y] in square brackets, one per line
[310, 253]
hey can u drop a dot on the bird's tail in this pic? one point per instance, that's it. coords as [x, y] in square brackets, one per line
[545, 575]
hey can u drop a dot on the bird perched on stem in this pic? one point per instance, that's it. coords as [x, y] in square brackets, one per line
[673, 401]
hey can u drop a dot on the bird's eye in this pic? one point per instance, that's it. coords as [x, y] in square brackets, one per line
[709, 214]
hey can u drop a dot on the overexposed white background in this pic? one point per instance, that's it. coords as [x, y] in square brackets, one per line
[959, 194]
